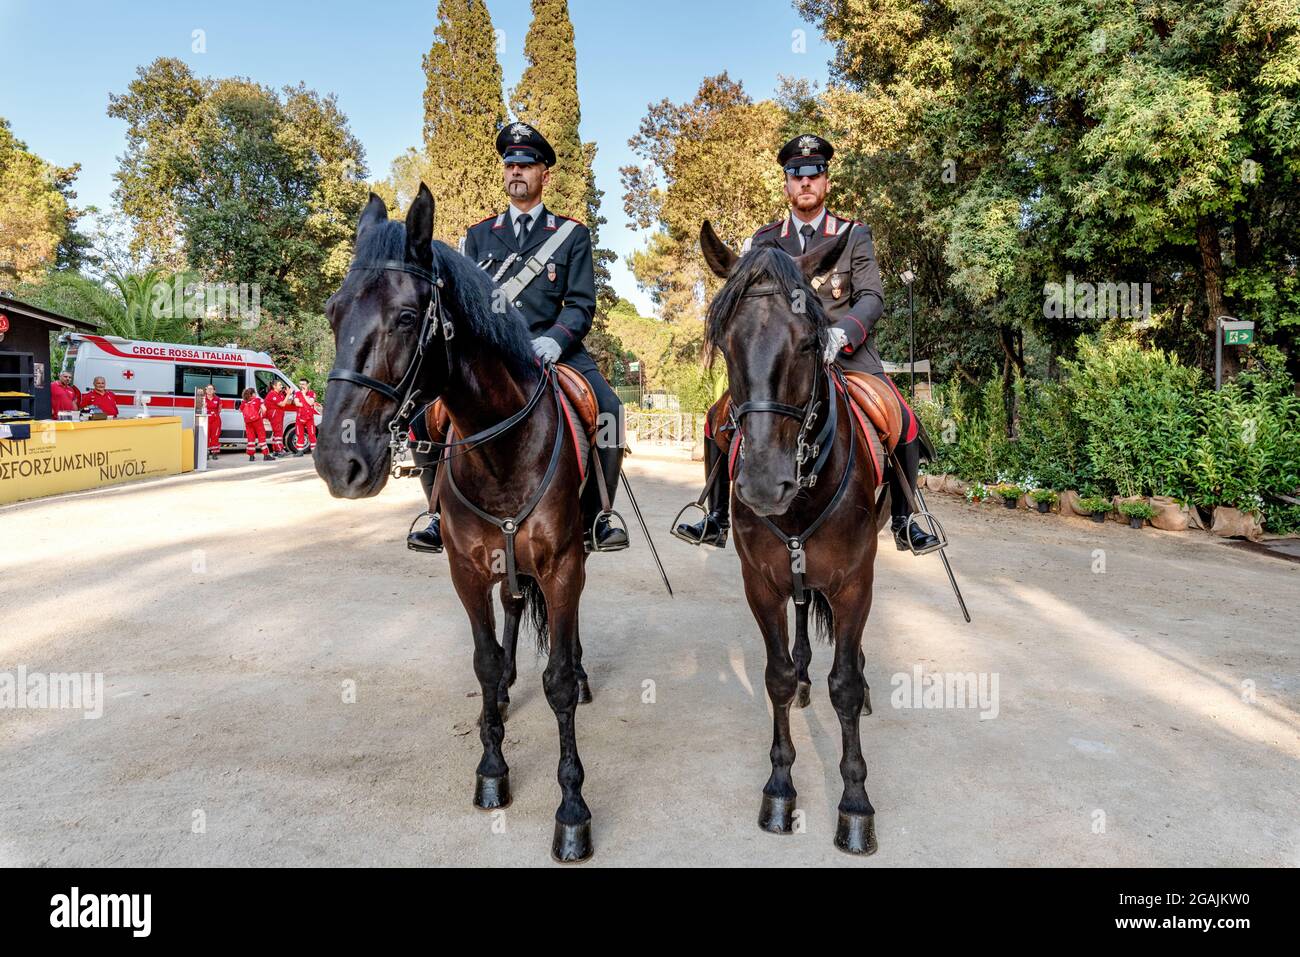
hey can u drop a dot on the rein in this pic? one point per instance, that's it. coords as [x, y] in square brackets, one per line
[510, 526]
[818, 451]
[407, 393]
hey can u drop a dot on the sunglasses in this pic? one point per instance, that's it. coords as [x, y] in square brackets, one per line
[798, 172]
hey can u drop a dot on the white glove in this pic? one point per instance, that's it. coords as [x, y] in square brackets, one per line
[836, 340]
[547, 349]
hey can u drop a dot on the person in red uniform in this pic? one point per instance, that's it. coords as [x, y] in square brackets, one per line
[305, 404]
[213, 406]
[100, 396]
[274, 405]
[255, 425]
[64, 396]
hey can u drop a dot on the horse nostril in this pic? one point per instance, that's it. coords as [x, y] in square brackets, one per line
[356, 471]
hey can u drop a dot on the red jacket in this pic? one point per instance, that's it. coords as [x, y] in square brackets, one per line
[253, 410]
[107, 404]
[271, 404]
[64, 398]
[304, 403]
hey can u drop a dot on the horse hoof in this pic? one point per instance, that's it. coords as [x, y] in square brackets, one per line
[776, 816]
[491, 794]
[584, 691]
[866, 703]
[856, 833]
[803, 696]
[572, 843]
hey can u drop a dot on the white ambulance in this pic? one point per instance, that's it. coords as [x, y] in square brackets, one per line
[165, 375]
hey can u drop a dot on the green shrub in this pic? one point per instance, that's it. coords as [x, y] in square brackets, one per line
[1052, 435]
[1249, 448]
[1140, 409]
[1137, 510]
[1044, 495]
[968, 428]
[1095, 504]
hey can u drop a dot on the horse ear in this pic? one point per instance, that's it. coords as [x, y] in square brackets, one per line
[819, 261]
[419, 229]
[717, 254]
[374, 213]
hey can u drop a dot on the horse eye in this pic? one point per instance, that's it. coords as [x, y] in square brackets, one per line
[406, 317]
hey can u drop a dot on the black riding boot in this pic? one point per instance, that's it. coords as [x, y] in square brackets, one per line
[427, 539]
[608, 536]
[907, 536]
[712, 529]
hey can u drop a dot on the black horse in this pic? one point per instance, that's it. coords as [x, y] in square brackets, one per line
[806, 517]
[415, 320]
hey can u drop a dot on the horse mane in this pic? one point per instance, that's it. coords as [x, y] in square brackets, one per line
[469, 288]
[762, 263]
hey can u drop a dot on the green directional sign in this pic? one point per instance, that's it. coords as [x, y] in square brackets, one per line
[1238, 332]
[634, 367]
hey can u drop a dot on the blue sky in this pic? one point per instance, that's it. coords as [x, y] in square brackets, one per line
[629, 55]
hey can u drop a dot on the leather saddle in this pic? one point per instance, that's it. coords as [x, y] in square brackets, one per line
[580, 407]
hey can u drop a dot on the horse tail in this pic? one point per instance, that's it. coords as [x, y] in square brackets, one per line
[823, 617]
[534, 615]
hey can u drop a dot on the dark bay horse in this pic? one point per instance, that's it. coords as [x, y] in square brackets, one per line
[415, 320]
[805, 520]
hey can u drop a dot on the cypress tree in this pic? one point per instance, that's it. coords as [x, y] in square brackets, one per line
[547, 98]
[463, 110]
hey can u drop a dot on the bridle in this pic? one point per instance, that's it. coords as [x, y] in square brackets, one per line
[816, 451]
[406, 393]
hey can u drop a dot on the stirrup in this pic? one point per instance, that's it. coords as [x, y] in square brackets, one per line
[411, 529]
[678, 521]
[593, 545]
[936, 529]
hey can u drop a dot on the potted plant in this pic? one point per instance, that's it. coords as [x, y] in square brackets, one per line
[977, 493]
[1097, 506]
[1044, 498]
[1010, 494]
[1139, 513]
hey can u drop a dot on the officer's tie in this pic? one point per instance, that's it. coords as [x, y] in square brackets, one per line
[807, 233]
[523, 222]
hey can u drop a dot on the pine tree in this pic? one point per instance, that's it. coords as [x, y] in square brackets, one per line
[463, 110]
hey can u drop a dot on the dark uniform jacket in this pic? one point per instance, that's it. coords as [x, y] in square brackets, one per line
[561, 301]
[851, 293]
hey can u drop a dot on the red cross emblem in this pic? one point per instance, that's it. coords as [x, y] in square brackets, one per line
[128, 375]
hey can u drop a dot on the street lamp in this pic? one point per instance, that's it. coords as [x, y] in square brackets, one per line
[908, 278]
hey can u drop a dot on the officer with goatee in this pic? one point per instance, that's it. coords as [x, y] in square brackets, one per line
[543, 262]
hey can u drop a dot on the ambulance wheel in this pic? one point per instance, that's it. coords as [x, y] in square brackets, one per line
[291, 438]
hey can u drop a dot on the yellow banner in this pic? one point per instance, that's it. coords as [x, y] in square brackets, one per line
[72, 456]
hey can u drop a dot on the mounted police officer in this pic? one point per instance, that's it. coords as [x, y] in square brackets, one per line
[853, 298]
[544, 263]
